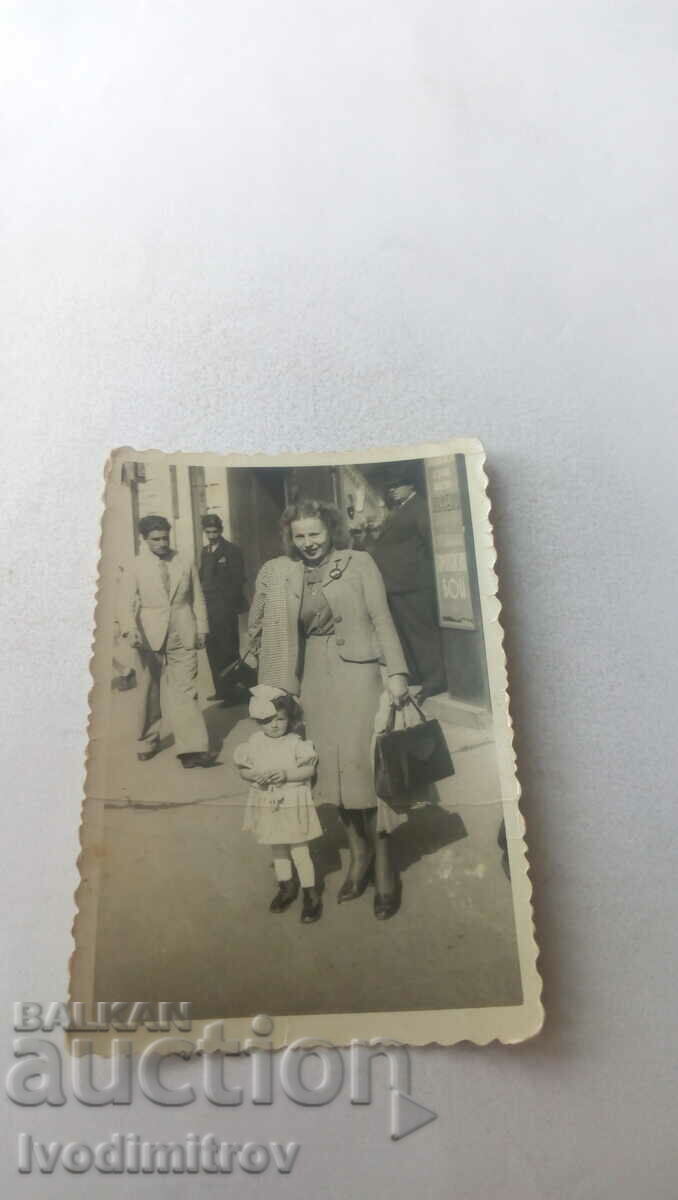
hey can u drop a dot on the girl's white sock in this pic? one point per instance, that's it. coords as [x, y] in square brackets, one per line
[304, 864]
[282, 863]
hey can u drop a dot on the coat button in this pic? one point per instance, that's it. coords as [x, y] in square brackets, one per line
[340, 641]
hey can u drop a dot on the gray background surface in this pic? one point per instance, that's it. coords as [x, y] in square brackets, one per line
[322, 226]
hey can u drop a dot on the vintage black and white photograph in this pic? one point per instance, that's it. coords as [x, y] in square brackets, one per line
[301, 796]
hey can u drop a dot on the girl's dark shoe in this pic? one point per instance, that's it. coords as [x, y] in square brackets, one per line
[288, 890]
[351, 889]
[386, 904]
[312, 907]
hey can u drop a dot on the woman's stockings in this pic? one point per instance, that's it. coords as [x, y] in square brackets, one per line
[358, 845]
[384, 878]
[365, 845]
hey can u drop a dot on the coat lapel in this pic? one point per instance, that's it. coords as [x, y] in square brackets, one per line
[295, 579]
[150, 566]
[209, 558]
[176, 572]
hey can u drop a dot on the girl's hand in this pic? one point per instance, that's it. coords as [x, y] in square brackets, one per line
[277, 777]
[248, 774]
[397, 686]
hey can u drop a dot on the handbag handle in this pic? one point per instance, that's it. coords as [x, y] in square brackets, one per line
[422, 714]
[390, 723]
[239, 662]
[390, 720]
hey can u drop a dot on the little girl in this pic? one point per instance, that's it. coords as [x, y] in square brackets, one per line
[280, 811]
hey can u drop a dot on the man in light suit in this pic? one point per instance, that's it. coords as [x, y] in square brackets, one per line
[167, 623]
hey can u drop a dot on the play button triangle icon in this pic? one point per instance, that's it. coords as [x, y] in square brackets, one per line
[407, 1115]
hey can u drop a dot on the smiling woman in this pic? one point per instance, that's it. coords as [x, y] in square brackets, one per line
[321, 625]
[310, 537]
[316, 523]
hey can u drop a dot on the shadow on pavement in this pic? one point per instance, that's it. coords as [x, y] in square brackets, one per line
[220, 721]
[426, 831]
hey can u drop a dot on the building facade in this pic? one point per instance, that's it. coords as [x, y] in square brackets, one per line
[250, 501]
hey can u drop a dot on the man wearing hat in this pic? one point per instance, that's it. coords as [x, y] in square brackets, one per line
[404, 555]
[222, 575]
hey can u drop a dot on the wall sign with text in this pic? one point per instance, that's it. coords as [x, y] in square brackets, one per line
[455, 606]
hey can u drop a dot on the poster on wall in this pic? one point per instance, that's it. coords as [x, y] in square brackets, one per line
[455, 607]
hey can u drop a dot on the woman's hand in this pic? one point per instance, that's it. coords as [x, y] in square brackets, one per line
[397, 686]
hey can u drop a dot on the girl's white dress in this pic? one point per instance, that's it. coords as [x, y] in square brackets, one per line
[282, 814]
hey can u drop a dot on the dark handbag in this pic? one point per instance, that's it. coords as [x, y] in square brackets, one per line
[408, 759]
[239, 672]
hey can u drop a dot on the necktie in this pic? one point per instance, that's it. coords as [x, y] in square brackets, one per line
[164, 575]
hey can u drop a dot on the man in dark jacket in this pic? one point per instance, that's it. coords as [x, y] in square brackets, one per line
[404, 555]
[222, 576]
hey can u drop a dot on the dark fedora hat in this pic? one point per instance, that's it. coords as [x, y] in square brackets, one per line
[399, 473]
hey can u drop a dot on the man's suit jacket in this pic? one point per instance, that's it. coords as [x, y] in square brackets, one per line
[222, 575]
[149, 607]
[403, 551]
[364, 629]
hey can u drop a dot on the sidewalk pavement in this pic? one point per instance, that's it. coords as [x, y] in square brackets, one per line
[184, 893]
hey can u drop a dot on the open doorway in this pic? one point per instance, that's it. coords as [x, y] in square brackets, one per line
[257, 499]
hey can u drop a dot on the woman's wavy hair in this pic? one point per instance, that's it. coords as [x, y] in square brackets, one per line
[320, 510]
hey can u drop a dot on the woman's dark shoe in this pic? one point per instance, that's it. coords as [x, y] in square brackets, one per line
[351, 889]
[205, 759]
[312, 907]
[386, 904]
[288, 890]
